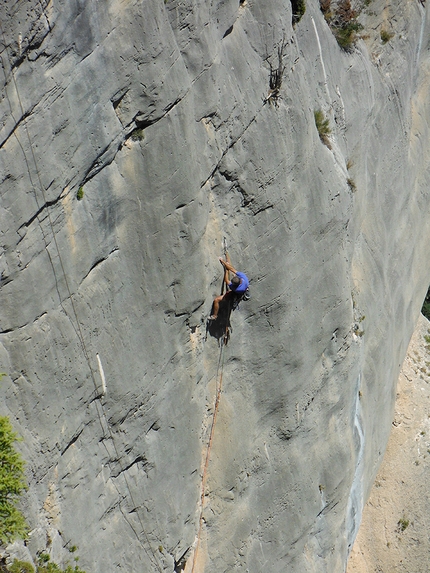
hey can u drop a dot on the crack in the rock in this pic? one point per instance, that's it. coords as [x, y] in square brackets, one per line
[17, 124]
[38, 212]
[108, 154]
[144, 123]
[139, 459]
[224, 153]
[13, 328]
[99, 262]
[72, 441]
[103, 159]
[180, 563]
[263, 208]
[228, 32]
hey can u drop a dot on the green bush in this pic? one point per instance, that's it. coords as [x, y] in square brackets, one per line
[342, 20]
[80, 193]
[298, 8]
[386, 36]
[21, 567]
[346, 34]
[323, 127]
[44, 566]
[138, 134]
[426, 305]
[403, 524]
[12, 484]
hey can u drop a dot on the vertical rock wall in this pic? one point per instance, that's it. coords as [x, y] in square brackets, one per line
[156, 116]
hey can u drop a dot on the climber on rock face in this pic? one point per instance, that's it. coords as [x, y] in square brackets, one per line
[236, 288]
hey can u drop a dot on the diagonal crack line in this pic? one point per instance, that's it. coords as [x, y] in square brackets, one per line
[108, 154]
[103, 159]
[72, 441]
[224, 153]
[39, 211]
[17, 124]
[19, 327]
[99, 262]
[144, 123]
[139, 459]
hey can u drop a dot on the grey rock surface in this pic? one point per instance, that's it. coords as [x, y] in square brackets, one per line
[158, 113]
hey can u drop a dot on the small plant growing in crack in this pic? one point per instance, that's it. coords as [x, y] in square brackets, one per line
[386, 36]
[80, 193]
[138, 134]
[402, 524]
[323, 127]
[351, 184]
[276, 74]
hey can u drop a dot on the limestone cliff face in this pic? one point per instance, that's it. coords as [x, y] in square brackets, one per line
[154, 114]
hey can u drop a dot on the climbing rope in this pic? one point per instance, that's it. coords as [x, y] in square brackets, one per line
[104, 423]
[219, 377]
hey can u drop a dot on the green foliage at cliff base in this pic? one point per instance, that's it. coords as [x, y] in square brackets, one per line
[426, 305]
[12, 484]
[43, 566]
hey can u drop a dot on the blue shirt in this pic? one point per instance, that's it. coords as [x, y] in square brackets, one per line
[244, 283]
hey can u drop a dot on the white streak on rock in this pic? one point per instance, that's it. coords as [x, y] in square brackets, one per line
[102, 375]
[355, 501]
[322, 61]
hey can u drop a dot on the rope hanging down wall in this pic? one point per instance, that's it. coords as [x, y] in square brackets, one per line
[219, 379]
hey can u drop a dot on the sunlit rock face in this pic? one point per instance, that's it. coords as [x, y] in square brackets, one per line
[135, 137]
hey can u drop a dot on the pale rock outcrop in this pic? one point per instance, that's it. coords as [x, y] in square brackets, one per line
[156, 112]
[394, 532]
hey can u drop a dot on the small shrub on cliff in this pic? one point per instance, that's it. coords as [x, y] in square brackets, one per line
[20, 567]
[298, 8]
[343, 22]
[12, 484]
[276, 74]
[323, 127]
[386, 36]
[44, 565]
[402, 524]
[426, 305]
[138, 134]
[325, 6]
[351, 184]
[80, 194]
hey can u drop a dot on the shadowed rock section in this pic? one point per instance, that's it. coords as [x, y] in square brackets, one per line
[159, 113]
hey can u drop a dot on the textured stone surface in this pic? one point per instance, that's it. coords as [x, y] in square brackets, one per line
[157, 111]
[394, 533]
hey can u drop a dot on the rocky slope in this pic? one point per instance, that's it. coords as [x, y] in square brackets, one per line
[134, 138]
[393, 535]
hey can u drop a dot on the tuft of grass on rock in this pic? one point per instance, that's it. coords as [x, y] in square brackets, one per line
[138, 134]
[351, 184]
[323, 127]
[80, 193]
[403, 524]
[386, 36]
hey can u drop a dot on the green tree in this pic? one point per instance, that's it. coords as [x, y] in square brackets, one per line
[20, 567]
[426, 305]
[12, 484]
